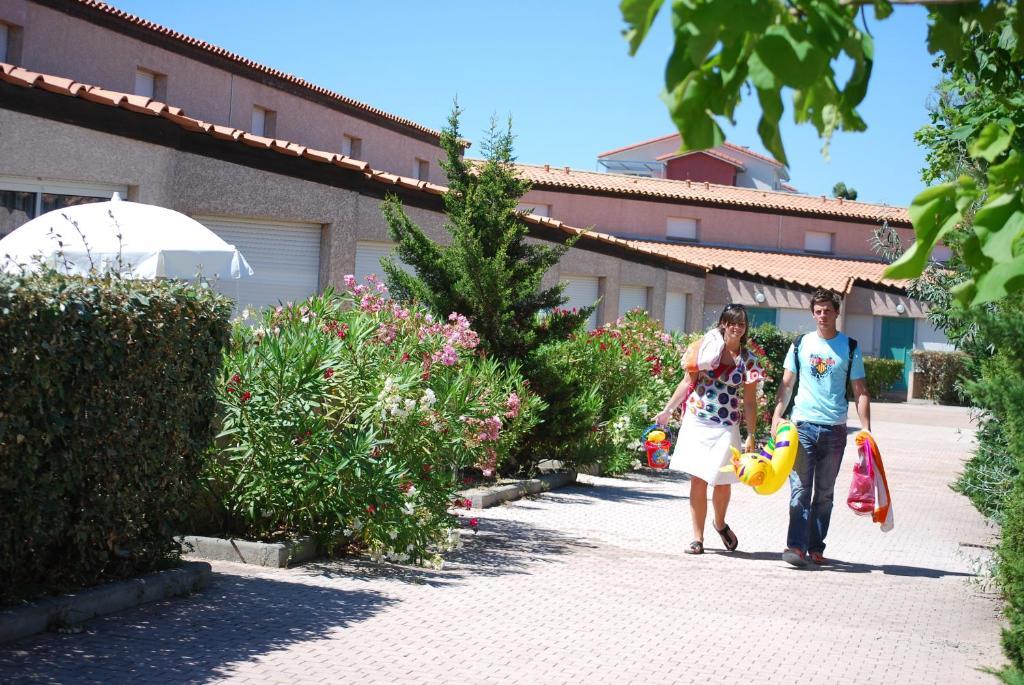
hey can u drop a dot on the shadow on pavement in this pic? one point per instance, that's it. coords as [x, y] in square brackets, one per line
[189, 640]
[839, 566]
[586, 493]
[499, 548]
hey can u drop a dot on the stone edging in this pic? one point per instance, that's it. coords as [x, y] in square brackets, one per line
[68, 610]
[272, 554]
[482, 498]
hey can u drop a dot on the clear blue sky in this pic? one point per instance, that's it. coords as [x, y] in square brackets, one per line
[560, 68]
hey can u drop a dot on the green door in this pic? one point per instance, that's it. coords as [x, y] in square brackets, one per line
[897, 343]
[759, 315]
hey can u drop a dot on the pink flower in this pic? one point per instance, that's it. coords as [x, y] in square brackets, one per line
[245, 396]
[231, 388]
[329, 373]
[350, 281]
[513, 405]
[473, 523]
[447, 356]
[236, 378]
[371, 509]
[405, 356]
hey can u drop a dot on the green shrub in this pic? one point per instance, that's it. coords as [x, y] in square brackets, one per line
[775, 344]
[1011, 573]
[882, 374]
[106, 404]
[989, 475]
[350, 418]
[938, 374]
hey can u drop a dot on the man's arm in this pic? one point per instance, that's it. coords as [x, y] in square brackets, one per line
[860, 396]
[782, 397]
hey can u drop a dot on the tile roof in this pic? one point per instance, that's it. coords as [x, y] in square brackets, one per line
[546, 177]
[139, 22]
[833, 273]
[24, 78]
[640, 144]
[838, 274]
[747, 151]
[728, 159]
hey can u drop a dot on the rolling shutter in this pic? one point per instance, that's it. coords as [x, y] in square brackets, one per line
[582, 291]
[675, 312]
[632, 297]
[285, 259]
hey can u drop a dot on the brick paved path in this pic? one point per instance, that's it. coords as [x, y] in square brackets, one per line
[589, 584]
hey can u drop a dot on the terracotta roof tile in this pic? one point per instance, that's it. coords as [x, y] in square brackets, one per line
[728, 159]
[748, 151]
[807, 270]
[139, 22]
[818, 271]
[711, 193]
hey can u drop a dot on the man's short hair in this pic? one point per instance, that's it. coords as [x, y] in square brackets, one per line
[822, 296]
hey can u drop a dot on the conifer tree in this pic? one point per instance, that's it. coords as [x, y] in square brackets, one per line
[489, 272]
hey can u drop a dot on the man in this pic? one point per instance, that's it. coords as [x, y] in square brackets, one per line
[821, 365]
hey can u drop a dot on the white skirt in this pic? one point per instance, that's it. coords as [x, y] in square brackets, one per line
[702, 449]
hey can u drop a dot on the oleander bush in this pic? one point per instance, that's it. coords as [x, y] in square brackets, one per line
[107, 402]
[351, 418]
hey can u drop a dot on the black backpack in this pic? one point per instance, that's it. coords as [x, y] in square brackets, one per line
[796, 384]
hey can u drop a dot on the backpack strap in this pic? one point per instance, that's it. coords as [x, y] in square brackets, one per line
[849, 363]
[796, 383]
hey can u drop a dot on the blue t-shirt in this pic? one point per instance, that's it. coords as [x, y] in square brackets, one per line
[821, 392]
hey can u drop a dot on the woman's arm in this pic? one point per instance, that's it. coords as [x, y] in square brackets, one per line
[750, 415]
[682, 391]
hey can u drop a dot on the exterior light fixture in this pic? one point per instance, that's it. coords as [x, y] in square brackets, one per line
[901, 309]
[759, 297]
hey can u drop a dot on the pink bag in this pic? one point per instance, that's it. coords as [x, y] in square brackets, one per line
[862, 488]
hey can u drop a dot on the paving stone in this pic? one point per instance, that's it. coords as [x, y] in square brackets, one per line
[590, 584]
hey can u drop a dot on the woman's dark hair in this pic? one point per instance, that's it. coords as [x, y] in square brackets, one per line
[735, 313]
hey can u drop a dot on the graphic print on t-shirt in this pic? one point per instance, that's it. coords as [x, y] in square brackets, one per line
[821, 366]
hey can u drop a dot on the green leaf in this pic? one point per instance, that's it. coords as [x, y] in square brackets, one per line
[795, 60]
[638, 15]
[768, 126]
[992, 141]
[933, 213]
[998, 225]
[994, 284]
[686, 105]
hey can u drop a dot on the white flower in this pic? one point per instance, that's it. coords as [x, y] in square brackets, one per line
[246, 314]
[428, 399]
[393, 534]
[357, 525]
[412, 491]
[409, 508]
[410, 405]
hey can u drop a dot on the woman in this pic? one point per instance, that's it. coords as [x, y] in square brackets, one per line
[710, 424]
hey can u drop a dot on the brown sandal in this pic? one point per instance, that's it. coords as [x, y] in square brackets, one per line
[696, 547]
[729, 538]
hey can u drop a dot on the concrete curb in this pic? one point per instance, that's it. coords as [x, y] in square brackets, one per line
[483, 498]
[66, 610]
[271, 554]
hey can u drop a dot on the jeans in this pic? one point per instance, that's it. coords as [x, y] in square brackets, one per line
[817, 465]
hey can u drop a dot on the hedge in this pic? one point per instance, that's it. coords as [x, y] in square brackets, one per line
[106, 407]
[882, 374]
[938, 373]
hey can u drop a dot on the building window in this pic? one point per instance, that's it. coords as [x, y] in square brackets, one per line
[679, 228]
[816, 241]
[10, 43]
[422, 169]
[150, 84]
[264, 122]
[534, 208]
[5, 38]
[352, 147]
[20, 201]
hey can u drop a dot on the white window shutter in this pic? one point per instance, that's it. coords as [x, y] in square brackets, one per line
[632, 297]
[145, 83]
[582, 291]
[675, 312]
[681, 228]
[817, 241]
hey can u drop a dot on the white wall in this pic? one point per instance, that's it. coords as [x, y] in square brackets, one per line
[927, 337]
[861, 327]
[795, 320]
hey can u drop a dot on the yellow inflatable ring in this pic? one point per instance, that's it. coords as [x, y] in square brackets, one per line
[767, 470]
